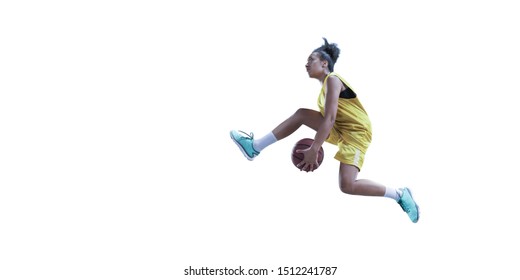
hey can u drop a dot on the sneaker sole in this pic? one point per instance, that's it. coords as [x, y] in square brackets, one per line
[416, 205]
[240, 147]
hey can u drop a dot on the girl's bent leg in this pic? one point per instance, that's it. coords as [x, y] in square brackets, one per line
[349, 184]
[307, 117]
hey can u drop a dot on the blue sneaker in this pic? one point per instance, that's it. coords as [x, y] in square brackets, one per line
[245, 142]
[408, 204]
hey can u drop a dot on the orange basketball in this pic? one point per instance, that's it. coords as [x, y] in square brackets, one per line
[302, 145]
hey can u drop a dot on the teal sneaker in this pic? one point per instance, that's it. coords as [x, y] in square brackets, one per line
[245, 142]
[408, 204]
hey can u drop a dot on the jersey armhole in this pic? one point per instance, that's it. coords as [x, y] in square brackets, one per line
[348, 93]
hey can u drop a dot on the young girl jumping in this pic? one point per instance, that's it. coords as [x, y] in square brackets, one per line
[342, 121]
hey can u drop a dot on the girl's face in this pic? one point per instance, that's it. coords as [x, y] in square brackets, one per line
[315, 67]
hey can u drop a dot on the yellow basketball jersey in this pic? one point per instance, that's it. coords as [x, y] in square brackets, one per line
[352, 122]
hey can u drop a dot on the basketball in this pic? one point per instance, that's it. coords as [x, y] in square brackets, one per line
[302, 145]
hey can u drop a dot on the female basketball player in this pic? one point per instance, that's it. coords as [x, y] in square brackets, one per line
[342, 121]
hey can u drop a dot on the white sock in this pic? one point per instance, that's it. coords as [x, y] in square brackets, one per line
[392, 193]
[262, 143]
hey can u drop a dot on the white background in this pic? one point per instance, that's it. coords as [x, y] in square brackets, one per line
[116, 163]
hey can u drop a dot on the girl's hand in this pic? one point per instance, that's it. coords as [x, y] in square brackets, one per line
[310, 160]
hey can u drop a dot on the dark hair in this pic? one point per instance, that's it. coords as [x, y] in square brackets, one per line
[329, 52]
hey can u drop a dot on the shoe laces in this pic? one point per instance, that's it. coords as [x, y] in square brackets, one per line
[249, 136]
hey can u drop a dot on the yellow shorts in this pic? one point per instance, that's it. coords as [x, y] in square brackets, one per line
[347, 153]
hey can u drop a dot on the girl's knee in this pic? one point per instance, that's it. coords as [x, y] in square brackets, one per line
[347, 187]
[347, 178]
[300, 112]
